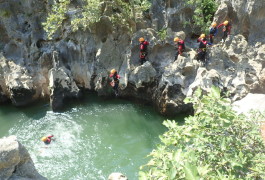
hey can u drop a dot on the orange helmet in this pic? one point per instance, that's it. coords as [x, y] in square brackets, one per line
[202, 36]
[141, 39]
[44, 138]
[226, 22]
[214, 24]
[176, 39]
[113, 71]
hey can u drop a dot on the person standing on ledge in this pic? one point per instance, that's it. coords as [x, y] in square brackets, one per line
[213, 31]
[115, 82]
[47, 139]
[180, 46]
[143, 50]
[201, 53]
[226, 29]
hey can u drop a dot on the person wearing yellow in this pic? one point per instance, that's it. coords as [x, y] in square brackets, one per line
[213, 31]
[143, 50]
[226, 29]
[47, 139]
[115, 82]
[180, 46]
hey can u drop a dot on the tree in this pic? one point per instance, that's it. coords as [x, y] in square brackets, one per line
[215, 143]
[124, 12]
[203, 13]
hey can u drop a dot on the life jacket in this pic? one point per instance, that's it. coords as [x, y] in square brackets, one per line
[213, 31]
[48, 141]
[143, 46]
[181, 45]
[227, 28]
[115, 77]
[203, 44]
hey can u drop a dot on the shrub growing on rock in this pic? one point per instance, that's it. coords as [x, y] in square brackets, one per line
[215, 143]
[203, 13]
[88, 12]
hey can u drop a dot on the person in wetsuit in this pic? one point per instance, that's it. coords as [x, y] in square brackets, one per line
[115, 82]
[180, 46]
[143, 50]
[201, 53]
[47, 139]
[226, 29]
[213, 31]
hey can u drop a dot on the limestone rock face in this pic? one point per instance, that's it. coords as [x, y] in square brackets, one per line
[16, 83]
[15, 161]
[250, 102]
[247, 18]
[29, 68]
[62, 85]
[142, 75]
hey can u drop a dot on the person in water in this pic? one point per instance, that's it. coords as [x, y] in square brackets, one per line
[47, 139]
[115, 81]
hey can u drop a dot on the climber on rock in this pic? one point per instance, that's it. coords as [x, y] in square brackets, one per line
[47, 139]
[180, 46]
[226, 29]
[213, 31]
[201, 53]
[115, 82]
[143, 50]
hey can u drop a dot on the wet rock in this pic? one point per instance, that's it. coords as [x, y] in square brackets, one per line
[15, 161]
[117, 176]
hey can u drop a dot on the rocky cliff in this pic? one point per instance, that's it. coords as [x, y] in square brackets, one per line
[32, 67]
[15, 161]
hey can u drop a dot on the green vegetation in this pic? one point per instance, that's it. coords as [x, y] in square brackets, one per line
[215, 143]
[203, 13]
[162, 34]
[5, 13]
[122, 12]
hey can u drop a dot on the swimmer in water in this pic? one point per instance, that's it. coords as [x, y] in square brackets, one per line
[47, 139]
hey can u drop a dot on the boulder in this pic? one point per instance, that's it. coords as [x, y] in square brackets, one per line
[62, 85]
[15, 161]
[117, 176]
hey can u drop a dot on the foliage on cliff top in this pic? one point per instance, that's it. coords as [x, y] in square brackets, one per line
[203, 14]
[215, 143]
[123, 12]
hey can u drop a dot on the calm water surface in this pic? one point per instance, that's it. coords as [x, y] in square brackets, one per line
[93, 138]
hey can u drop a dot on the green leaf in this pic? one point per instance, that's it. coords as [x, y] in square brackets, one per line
[142, 176]
[191, 172]
[173, 173]
[215, 91]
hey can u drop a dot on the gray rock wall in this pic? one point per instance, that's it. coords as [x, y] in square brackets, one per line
[29, 70]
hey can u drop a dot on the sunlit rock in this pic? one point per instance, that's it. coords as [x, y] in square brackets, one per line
[15, 161]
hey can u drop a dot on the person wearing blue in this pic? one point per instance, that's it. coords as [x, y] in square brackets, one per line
[213, 31]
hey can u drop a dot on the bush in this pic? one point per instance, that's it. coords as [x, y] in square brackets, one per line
[90, 11]
[215, 143]
[203, 14]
